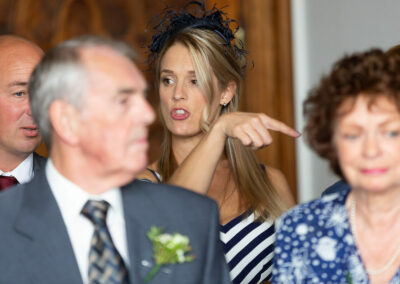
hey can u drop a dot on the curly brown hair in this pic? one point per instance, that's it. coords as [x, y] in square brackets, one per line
[373, 73]
[394, 49]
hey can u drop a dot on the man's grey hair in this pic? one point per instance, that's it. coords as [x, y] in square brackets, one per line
[61, 75]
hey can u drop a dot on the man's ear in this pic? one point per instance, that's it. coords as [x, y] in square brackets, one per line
[228, 93]
[64, 119]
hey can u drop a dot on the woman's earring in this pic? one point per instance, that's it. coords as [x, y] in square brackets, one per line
[224, 104]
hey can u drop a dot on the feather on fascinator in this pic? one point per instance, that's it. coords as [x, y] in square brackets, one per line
[193, 16]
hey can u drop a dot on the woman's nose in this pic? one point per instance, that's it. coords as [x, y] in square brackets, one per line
[179, 92]
[371, 147]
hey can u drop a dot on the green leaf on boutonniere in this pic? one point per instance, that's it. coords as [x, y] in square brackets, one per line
[348, 277]
[168, 249]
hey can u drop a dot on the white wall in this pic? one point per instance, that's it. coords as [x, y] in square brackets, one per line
[323, 31]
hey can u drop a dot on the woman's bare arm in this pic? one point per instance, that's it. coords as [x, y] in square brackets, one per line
[252, 129]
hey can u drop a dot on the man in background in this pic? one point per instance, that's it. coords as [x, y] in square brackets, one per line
[19, 135]
[82, 220]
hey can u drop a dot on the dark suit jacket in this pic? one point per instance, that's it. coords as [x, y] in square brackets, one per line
[35, 247]
[39, 162]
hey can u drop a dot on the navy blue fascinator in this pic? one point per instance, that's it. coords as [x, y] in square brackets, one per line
[193, 16]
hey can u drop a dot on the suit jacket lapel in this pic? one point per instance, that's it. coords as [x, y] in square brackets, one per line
[49, 254]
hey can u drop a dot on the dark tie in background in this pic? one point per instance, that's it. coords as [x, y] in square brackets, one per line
[6, 182]
[105, 263]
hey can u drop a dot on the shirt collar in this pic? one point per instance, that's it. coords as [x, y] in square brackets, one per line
[337, 197]
[71, 198]
[23, 172]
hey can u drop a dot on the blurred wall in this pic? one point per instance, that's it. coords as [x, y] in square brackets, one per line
[323, 31]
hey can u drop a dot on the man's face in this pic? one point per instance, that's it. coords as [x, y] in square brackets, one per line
[18, 133]
[115, 114]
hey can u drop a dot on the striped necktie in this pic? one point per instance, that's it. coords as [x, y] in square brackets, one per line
[7, 181]
[105, 263]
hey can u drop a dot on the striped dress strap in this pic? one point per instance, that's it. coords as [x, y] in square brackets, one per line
[248, 246]
[155, 174]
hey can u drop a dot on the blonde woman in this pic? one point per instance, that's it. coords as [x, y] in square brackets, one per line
[207, 145]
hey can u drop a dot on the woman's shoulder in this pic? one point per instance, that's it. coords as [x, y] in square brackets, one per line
[281, 184]
[274, 173]
[318, 211]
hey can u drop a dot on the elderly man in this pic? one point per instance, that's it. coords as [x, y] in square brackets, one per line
[19, 136]
[82, 220]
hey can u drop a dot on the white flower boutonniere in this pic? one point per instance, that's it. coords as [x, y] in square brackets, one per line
[168, 249]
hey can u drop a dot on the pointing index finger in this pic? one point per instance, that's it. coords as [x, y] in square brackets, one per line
[279, 126]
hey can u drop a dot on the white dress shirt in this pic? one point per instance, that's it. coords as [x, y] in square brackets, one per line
[23, 172]
[71, 199]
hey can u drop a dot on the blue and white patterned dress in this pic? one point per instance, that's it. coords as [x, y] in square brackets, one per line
[248, 246]
[314, 244]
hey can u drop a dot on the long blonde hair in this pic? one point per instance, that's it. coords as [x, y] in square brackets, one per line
[207, 50]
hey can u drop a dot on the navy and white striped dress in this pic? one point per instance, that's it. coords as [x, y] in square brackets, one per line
[249, 248]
